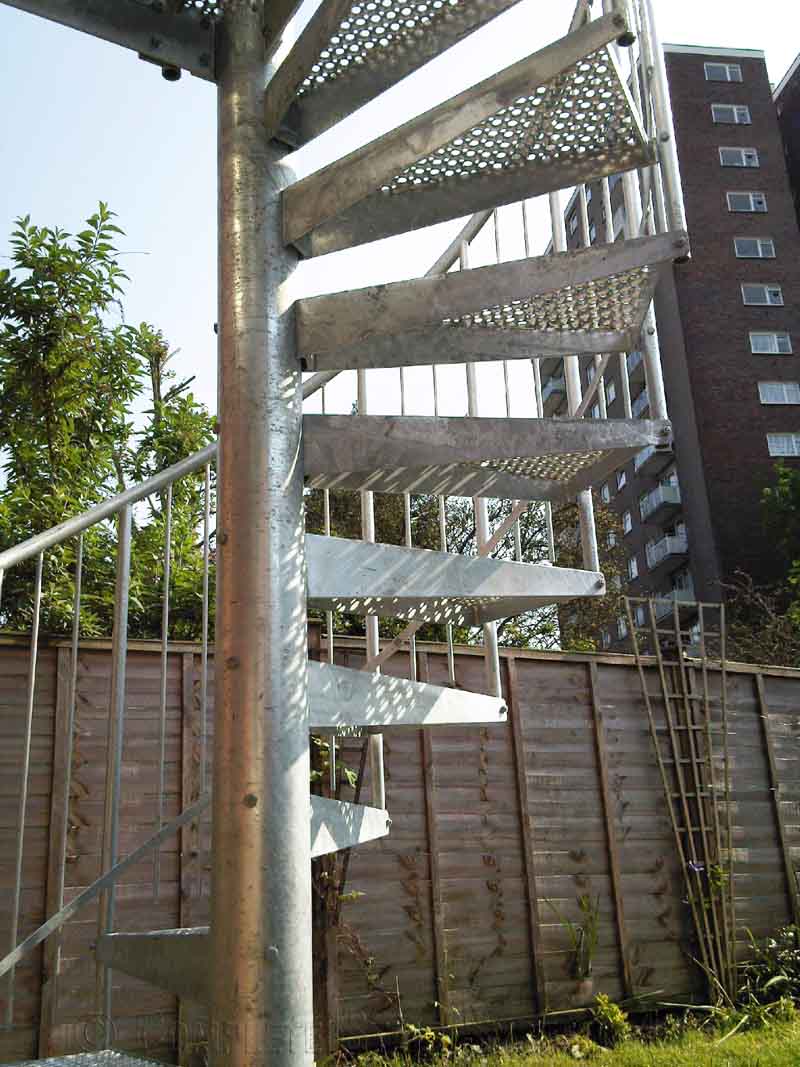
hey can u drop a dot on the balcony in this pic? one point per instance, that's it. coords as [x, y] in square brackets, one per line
[635, 367]
[553, 393]
[640, 404]
[660, 504]
[663, 606]
[652, 460]
[670, 549]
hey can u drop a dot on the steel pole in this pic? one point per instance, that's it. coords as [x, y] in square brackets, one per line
[261, 1001]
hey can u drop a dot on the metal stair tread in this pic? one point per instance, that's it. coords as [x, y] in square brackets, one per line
[560, 116]
[352, 50]
[425, 586]
[514, 459]
[587, 300]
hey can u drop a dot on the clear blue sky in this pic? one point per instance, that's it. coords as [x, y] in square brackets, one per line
[84, 121]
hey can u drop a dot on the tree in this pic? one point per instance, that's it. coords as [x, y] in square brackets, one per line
[72, 372]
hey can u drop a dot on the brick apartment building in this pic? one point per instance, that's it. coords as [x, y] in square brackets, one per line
[787, 105]
[729, 330]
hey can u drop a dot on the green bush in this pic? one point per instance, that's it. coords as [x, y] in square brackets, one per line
[610, 1021]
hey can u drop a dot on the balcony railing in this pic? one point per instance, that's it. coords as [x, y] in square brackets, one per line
[660, 502]
[663, 606]
[668, 547]
[652, 460]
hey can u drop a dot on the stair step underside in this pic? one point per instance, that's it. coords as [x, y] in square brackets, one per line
[560, 117]
[508, 459]
[424, 586]
[350, 52]
[583, 301]
[342, 699]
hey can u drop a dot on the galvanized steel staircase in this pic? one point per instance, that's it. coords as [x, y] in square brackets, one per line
[561, 116]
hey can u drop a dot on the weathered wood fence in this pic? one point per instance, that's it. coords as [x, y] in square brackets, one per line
[496, 834]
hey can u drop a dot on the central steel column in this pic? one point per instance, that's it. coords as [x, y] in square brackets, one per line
[261, 1009]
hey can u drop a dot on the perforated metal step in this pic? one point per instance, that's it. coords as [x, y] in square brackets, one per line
[352, 50]
[591, 300]
[562, 116]
[104, 1058]
[510, 459]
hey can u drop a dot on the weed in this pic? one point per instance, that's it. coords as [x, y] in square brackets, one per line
[610, 1021]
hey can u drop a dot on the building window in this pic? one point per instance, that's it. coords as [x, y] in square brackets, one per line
[622, 478]
[731, 114]
[573, 223]
[633, 568]
[783, 444]
[622, 627]
[747, 202]
[605, 494]
[763, 343]
[723, 72]
[779, 392]
[762, 295]
[640, 615]
[605, 638]
[611, 540]
[618, 221]
[591, 373]
[738, 157]
[627, 522]
[595, 411]
[588, 194]
[754, 247]
[592, 233]
[611, 393]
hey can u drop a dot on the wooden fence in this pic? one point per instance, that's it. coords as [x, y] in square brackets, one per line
[462, 913]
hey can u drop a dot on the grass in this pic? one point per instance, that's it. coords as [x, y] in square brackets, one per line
[777, 1045]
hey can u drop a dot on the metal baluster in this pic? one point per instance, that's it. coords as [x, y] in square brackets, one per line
[26, 766]
[572, 379]
[625, 385]
[162, 718]
[371, 621]
[412, 641]
[506, 386]
[481, 509]
[451, 659]
[326, 529]
[116, 719]
[204, 636]
[583, 215]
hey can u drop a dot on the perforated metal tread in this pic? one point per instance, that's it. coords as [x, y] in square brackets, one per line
[104, 1058]
[515, 459]
[588, 300]
[353, 50]
[563, 115]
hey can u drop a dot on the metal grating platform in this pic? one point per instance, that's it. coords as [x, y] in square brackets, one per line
[585, 111]
[104, 1058]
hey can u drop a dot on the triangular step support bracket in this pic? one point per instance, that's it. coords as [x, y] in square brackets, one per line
[340, 698]
[424, 586]
[507, 459]
[348, 54]
[515, 135]
[588, 300]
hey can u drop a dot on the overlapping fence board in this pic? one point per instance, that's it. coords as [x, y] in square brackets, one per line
[461, 914]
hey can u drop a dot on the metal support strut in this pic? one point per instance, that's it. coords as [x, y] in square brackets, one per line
[261, 1002]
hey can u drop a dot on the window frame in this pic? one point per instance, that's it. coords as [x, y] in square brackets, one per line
[605, 493]
[727, 67]
[627, 517]
[774, 334]
[736, 109]
[760, 241]
[744, 165]
[751, 194]
[795, 438]
[766, 286]
[622, 480]
[632, 567]
[785, 400]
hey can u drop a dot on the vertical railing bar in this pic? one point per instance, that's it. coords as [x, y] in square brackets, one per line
[481, 511]
[111, 814]
[162, 710]
[26, 766]
[451, 657]
[599, 366]
[726, 757]
[326, 529]
[204, 635]
[625, 385]
[412, 641]
[507, 389]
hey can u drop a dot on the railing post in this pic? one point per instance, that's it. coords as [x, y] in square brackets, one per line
[116, 719]
[261, 1000]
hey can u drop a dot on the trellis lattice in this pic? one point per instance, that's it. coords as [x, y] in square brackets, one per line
[613, 303]
[385, 31]
[585, 111]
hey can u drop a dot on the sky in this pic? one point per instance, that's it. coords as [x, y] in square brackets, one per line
[84, 121]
